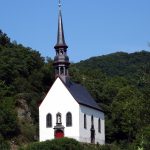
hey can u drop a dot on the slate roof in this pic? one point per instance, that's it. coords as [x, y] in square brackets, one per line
[81, 95]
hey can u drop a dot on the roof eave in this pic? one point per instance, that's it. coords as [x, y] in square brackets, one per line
[99, 109]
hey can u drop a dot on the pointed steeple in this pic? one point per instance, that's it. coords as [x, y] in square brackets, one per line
[60, 35]
[61, 60]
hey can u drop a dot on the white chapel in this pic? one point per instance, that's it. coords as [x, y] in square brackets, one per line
[68, 110]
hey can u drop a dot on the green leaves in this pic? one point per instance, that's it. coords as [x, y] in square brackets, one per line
[8, 118]
[4, 39]
[120, 84]
[22, 71]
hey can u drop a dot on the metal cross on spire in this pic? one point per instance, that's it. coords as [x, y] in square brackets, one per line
[59, 3]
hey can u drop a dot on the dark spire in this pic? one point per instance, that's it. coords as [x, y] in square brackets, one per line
[60, 34]
[61, 60]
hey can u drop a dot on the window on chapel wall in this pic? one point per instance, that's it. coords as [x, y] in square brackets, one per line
[99, 125]
[49, 120]
[68, 119]
[85, 123]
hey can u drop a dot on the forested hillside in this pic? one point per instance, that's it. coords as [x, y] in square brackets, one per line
[119, 64]
[25, 78]
[119, 82]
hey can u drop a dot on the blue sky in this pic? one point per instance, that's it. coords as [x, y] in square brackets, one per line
[92, 27]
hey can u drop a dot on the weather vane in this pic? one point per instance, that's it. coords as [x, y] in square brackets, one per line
[59, 3]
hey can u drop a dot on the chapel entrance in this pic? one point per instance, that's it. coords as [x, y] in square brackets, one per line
[92, 134]
[59, 134]
[59, 128]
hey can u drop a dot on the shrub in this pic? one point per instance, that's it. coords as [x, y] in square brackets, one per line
[67, 144]
[100, 147]
[3, 144]
[56, 144]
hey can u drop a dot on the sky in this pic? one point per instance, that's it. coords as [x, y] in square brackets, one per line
[92, 27]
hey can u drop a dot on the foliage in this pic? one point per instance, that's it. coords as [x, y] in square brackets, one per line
[118, 64]
[119, 82]
[57, 144]
[23, 75]
[4, 39]
[4, 145]
[100, 147]
[67, 144]
[143, 138]
[8, 119]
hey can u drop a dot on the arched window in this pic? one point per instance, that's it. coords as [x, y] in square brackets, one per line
[49, 120]
[68, 119]
[99, 125]
[58, 118]
[85, 125]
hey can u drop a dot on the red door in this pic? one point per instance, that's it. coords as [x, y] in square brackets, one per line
[59, 134]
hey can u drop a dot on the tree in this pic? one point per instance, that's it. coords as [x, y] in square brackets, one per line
[8, 118]
[127, 115]
[4, 39]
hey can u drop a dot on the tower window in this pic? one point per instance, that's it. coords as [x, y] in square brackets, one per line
[68, 119]
[49, 120]
[61, 52]
[85, 123]
[99, 125]
[61, 70]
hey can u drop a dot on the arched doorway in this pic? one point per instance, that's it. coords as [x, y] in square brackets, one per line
[92, 135]
[92, 130]
[59, 134]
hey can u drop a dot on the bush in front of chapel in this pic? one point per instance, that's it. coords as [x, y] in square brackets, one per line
[56, 144]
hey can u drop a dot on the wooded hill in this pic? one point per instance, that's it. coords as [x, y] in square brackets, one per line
[119, 82]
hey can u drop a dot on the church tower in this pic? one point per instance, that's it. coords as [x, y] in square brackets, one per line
[61, 60]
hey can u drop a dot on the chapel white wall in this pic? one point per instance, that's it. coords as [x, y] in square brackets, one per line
[58, 99]
[85, 134]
